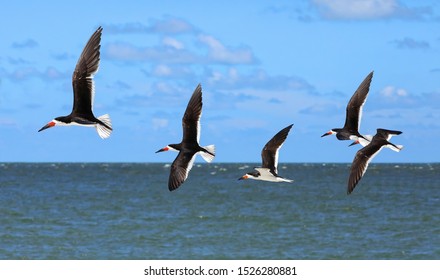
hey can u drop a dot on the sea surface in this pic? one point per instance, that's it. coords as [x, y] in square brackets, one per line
[125, 211]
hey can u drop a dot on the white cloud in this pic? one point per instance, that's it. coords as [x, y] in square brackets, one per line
[159, 123]
[172, 26]
[368, 9]
[165, 87]
[176, 71]
[257, 79]
[173, 51]
[24, 73]
[129, 53]
[401, 92]
[174, 43]
[356, 9]
[53, 73]
[215, 76]
[130, 27]
[182, 44]
[162, 70]
[119, 85]
[169, 25]
[387, 91]
[321, 108]
[393, 92]
[8, 122]
[218, 52]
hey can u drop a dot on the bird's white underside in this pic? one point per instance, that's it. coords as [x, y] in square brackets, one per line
[103, 131]
[266, 175]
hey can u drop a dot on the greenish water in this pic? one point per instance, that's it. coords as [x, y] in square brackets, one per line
[125, 211]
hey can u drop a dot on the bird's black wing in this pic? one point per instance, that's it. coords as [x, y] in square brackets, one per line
[387, 134]
[356, 103]
[191, 118]
[82, 79]
[269, 154]
[362, 159]
[180, 169]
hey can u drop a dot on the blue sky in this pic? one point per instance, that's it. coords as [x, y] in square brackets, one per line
[262, 64]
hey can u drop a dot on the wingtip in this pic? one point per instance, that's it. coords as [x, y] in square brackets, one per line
[174, 185]
[396, 148]
[198, 88]
[172, 188]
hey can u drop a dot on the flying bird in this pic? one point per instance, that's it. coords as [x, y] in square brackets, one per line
[367, 139]
[366, 154]
[84, 92]
[269, 156]
[350, 131]
[189, 147]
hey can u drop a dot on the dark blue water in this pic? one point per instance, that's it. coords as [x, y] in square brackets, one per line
[125, 211]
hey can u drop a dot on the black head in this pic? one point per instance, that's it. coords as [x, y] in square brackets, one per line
[170, 147]
[57, 121]
[331, 131]
[64, 119]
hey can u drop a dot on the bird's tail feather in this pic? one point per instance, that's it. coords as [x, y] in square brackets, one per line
[208, 157]
[104, 130]
[397, 148]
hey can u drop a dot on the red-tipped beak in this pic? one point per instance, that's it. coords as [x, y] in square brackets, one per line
[163, 150]
[327, 133]
[354, 143]
[49, 125]
[244, 177]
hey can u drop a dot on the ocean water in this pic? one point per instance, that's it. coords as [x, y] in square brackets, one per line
[125, 211]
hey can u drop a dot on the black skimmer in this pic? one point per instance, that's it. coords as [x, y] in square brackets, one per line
[367, 139]
[189, 147]
[84, 91]
[269, 155]
[350, 131]
[366, 154]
